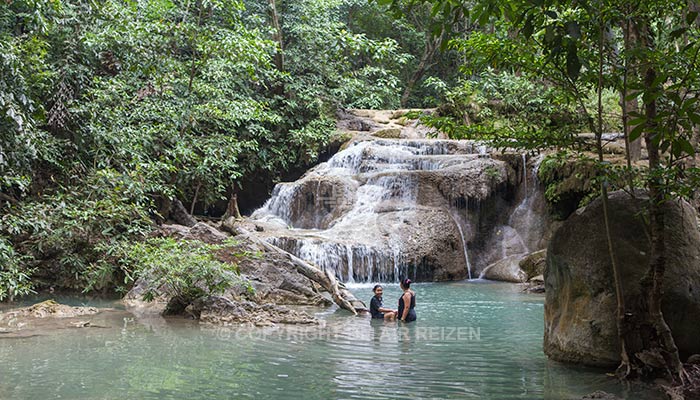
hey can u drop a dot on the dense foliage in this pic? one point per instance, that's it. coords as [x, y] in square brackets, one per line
[578, 53]
[113, 111]
[188, 270]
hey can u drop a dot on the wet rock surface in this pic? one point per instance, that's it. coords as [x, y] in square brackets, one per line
[506, 270]
[50, 309]
[431, 210]
[535, 285]
[385, 123]
[601, 395]
[580, 319]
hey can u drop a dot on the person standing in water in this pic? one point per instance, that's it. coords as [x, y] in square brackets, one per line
[376, 306]
[407, 302]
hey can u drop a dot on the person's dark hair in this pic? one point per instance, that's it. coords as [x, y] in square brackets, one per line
[376, 287]
[406, 283]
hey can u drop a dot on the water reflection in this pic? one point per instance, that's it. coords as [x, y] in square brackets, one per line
[470, 341]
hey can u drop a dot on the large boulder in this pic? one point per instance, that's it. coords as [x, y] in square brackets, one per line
[533, 264]
[219, 310]
[199, 231]
[506, 270]
[275, 279]
[580, 305]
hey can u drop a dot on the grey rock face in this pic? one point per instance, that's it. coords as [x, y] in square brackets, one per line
[580, 320]
[507, 270]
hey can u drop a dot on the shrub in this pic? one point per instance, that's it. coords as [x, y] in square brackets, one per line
[14, 279]
[185, 270]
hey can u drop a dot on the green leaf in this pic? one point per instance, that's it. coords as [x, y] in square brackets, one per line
[663, 145]
[685, 146]
[573, 29]
[675, 98]
[691, 17]
[694, 117]
[637, 121]
[636, 133]
[549, 36]
[687, 103]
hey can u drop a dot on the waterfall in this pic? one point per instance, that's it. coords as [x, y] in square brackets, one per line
[524, 229]
[382, 209]
[524, 161]
[464, 246]
[351, 270]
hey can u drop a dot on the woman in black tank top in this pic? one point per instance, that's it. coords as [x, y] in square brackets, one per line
[407, 302]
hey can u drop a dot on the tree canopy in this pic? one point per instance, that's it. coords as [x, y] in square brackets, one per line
[113, 111]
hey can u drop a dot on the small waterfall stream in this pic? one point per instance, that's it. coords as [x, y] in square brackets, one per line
[384, 209]
[464, 247]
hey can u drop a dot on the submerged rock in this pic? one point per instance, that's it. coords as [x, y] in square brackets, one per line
[219, 310]
[48, 317]
[580, 305]
[599, 394]
[49, 309]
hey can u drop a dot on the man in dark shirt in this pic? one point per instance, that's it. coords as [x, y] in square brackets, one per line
[376, 306]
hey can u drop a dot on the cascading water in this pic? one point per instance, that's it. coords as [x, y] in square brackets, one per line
[382, 209]
[464, 247]
[524, 229]
[525, 219]
[524, 161]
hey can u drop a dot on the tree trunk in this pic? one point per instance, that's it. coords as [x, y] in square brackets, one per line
[432, 45]
[7, 198]
[277, 37]
[232, 208]
[657, 267]
[619, 294]
[634, 148]
[195, 197]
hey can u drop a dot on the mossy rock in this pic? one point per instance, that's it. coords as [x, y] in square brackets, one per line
[403, 112]
[533, 264]
[339, 138]
[403, 121]
[388, 133]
